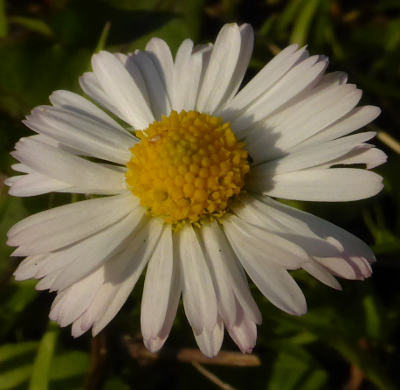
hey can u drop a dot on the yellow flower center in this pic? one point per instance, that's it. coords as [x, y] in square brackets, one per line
[187, 167]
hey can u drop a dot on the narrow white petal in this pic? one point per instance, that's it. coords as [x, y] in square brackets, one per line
[142, 248]
[73, 102]
[122, 89]
[95, 178]
[229, 279]
[329, 185]
[162, 59]
[215, 248]
[95, 251]
[81, 131]
[364, 154]
[28, 268]
[266, 246]
[312, 156]
[158, 286]
[300, 77]
[210, 341]
[308, 224]
[76, 298]
[272, 280]
[263, 81]
[300, 121]
[220, 70]
[155, 84]
[187, 73]
[246, 50]
[56, 228]
[34, 184]
[322, 274]
[200, 302]
[243, 332]
[91, 86]
[354, 120]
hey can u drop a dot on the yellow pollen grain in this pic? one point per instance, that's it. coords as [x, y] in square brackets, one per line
[187, 167]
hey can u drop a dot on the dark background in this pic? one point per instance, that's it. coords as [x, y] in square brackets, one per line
[348, 340]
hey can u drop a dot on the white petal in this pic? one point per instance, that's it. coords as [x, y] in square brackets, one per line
[34, 184]
[268, 214]
[75, 299]
[364, 154]
[354, 120]
[61, 226]
[303, 222]
[263, 81]
[95, 250]
[73, 102]
[162, 59]
[84, 132]
[228, 276]
[28, 268]
[243, 332]
[300, 77]
[331, 185]
[272, 280]
[142, 247]
[210, 342]
[199, 298]
[122, 89]
[220, 70]
[322, 274]
[159, 287]
[266, 246]
[246, 50]
[300, 121]
[312, 156]
[91, 86]
[347, 267]
[155, 84]
[60, 165]
[187, 73]
[217, 251]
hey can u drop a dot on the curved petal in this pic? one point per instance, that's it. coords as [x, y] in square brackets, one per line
[95, 178]
[328, 185]
[118, 84]
[218, 77]
[199, 300]
[272, 280]
[61, 226]
[160, 293]
[210, 341]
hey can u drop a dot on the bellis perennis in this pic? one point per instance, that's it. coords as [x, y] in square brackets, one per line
[184, 184]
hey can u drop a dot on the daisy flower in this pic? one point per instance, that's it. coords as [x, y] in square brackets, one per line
[185, 167]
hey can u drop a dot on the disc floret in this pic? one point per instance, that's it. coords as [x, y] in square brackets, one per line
[187, 167]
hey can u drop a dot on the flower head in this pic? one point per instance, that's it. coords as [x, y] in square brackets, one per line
[187, 184]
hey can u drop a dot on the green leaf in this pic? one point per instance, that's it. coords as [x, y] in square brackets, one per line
[372, 317]
[303, 22]
[101, 44]
[14, 377]
[41, 366]
[293, 371]
[36, 25]
[15, 363]
[3, 20]
[12, 351]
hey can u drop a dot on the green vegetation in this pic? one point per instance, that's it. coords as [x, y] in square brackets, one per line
[348, 338]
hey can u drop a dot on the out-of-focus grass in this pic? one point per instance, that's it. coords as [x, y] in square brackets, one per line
[347, 338]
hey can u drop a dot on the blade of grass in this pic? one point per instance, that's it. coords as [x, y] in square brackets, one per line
[3, 20]
[303, 22]
[41, 366]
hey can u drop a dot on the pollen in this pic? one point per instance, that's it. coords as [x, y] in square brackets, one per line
[187, 167]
